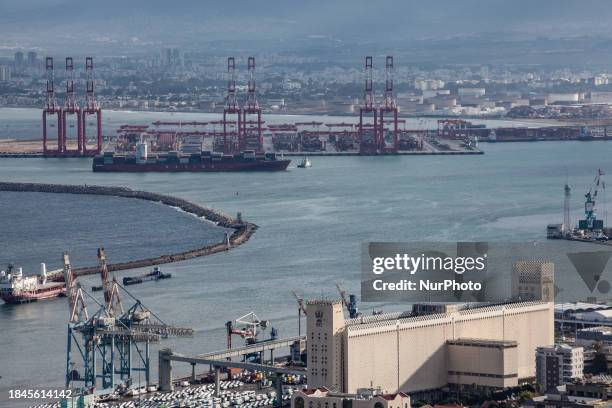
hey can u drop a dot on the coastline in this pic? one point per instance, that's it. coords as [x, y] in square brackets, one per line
[242, 230]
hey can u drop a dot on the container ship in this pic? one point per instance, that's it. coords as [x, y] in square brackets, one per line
[175, 161]
[16, 288]
[155, 274]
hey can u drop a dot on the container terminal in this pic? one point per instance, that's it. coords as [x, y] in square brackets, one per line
[377, 130]
[240, 130]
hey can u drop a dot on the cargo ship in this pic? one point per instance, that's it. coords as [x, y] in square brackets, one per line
[175, 161]
[156, 274]
[16, 288]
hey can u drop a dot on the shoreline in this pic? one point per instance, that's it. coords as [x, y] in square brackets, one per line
[242, 230]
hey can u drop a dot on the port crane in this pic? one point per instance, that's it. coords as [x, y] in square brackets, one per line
[591, 223]
[301, 310]
[350, 303]
[248, 327]
[112, 299]
[111, 342]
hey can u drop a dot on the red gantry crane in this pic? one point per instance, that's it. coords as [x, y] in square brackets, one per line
[388, 107]
[52, 109]
[252, 129]
[71, 108]
[367, 131]
[231, 138]
[91, 108]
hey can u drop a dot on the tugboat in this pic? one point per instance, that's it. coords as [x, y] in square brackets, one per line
[156, 274]
[306, 163]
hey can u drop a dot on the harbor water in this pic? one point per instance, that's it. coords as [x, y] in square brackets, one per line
[312, 222]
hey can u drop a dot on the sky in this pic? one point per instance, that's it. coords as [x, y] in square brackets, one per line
[124, 25]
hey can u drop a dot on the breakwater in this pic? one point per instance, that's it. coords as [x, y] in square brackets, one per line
[241, 234]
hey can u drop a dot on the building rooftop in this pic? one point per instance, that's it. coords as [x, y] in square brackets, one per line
[578, 307]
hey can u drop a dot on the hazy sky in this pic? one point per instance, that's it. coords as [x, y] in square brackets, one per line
[138, 23]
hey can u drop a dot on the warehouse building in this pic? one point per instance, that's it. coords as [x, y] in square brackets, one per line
[490, 347]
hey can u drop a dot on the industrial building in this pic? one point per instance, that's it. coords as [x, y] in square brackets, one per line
[559, 364]
[488, 347]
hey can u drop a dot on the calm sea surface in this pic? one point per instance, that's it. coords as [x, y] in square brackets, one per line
[312, 223]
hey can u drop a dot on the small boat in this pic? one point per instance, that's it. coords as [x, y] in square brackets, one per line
[306, 163]
[155, 275]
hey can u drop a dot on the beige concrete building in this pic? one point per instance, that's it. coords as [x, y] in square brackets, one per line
[534, 280]
[492, 346]
[323, 398]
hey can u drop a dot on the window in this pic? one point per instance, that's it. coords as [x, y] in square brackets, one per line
[299, 402]
[378, 405]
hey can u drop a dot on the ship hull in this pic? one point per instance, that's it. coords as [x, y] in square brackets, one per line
[272, 165]
[32, 296]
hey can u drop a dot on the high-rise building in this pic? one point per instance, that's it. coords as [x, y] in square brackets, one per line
[19, 59]
[557, 365]
[171, 57]
[5, 73]
[177, 57]
[32, 60]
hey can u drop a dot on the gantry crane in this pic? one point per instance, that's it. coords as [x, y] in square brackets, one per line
[231, 139]
[368, 131]
[52, 112]
[110, 340]
[71, 108]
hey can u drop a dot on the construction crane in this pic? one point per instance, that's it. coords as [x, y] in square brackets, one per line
[350, 303]
[301, 310]
[591, 224]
